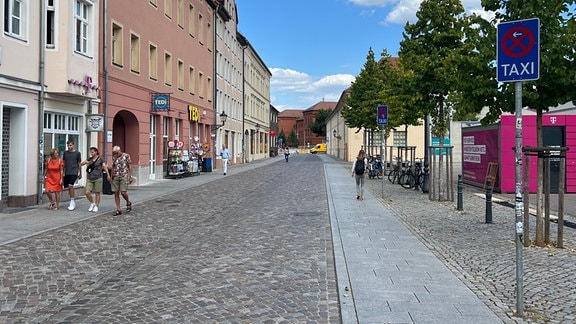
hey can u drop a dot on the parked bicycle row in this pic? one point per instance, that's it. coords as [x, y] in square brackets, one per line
[404, 173]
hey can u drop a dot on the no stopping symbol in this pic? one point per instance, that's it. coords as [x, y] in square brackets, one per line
[517, 42]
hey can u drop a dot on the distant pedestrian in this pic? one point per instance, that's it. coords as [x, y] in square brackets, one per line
[225, 154]
[120, 177]
[72, 170]
[53, 177]
[94, 171]
[286, 153]
[358, 170]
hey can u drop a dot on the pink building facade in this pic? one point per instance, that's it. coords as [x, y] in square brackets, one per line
[157, 80]
[495, 143]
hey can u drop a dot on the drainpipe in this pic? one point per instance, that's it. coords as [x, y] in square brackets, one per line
[243, 104]
[215, 85]
[41, 76]
[106, 77]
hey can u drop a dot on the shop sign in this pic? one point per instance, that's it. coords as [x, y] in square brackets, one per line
[193, 113]
[95, 123]
[86, 84]
[160, 102]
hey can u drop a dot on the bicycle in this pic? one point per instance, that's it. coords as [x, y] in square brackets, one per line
[394, 175]
[412, 177]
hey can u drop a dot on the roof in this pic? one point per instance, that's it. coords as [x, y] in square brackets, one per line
[323, 105]
[291, 113]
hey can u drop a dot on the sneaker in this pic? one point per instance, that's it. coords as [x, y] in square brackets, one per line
[95, 209]
[92, 206]
[72, 205]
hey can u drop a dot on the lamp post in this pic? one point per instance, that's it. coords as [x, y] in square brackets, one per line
[223, 118]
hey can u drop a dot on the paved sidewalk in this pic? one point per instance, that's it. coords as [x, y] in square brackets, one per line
[385, 274]
[20, 223]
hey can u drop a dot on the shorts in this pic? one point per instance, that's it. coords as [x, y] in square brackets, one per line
[94, 186]
[119, 184]
[70, 180]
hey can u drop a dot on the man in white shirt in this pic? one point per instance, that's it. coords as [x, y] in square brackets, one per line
[225, 154]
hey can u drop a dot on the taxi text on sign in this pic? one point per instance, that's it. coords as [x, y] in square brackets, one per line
[518, 50]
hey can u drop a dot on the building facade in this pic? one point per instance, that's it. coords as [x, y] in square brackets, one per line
[48, 89]
[157, 74]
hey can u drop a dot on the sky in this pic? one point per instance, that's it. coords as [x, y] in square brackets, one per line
[315, 48]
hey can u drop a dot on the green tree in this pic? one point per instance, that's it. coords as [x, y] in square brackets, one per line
[292, 139]
[318, 127]
[431, 49]
[360, 109]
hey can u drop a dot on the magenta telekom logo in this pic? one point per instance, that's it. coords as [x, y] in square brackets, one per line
[86, 84]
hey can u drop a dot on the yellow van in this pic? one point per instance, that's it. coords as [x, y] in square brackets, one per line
[319, 148]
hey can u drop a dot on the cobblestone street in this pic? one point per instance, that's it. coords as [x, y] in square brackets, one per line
[484, 255]
[251, 247]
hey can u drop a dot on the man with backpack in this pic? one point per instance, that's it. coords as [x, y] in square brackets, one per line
[358, 170]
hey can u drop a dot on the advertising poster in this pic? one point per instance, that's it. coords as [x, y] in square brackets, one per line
[479, 147]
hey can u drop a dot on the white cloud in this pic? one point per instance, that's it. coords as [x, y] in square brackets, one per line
[303, 90]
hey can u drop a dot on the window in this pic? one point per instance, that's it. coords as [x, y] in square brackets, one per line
[191, 81]
[209, 92]
[180, 75]
[180, 14]
[135, 53]
[50, 24]
[117, 44]
[201, 29]
[201, 83]
[82, 27]
[153, 63]
[399, 138]
[167, 69]
[14, 15]
[168, 8]
[177, 131]
[191, 20]
[210, 37]
[58, 129]
[165, 128]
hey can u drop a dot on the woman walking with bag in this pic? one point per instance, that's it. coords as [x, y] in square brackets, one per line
[95, 170]
[358, 170]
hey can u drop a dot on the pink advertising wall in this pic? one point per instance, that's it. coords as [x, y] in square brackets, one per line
[508, 140]
[495, 143]
[480, 146]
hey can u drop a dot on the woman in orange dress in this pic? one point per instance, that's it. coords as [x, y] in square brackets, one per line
[53, 176]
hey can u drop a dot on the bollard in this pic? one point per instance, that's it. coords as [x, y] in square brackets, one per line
[489, 202]
[459, 205]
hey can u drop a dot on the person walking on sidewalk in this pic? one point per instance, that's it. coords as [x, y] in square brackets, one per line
[94, 172]
[120, 178]
[358, 170]
[225, 154]
[72, 171]
[286, 153]
[53, 177]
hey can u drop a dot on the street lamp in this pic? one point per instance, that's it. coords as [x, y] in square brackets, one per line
[223, 118]
[335, 133]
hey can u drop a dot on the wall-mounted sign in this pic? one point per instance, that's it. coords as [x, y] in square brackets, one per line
[94, 123]
[86, 84]
[193, 113]
[160, 102]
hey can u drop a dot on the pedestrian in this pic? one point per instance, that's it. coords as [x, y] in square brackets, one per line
[53, 177]
[358, 169]
[94, 171]
[120, 178]
[225, 154]
[72, 171]
[286, 153]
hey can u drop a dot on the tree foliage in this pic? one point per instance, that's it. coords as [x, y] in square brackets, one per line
[318, 127]
[430, 50]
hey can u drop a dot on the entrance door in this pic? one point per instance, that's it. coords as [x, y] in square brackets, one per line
[152, 164]
[554, 136]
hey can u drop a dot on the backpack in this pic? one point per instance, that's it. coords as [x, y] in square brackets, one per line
[360, 167]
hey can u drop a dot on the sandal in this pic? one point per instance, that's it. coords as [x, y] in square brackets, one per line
[117, 212]
[129, 207]
[51, 206]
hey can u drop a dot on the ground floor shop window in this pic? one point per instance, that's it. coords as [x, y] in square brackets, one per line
[58, 129]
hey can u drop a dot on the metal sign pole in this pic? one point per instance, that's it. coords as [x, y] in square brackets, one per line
[519, 208]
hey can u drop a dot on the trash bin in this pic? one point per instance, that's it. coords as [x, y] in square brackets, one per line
[106, 185]
[207, 165]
